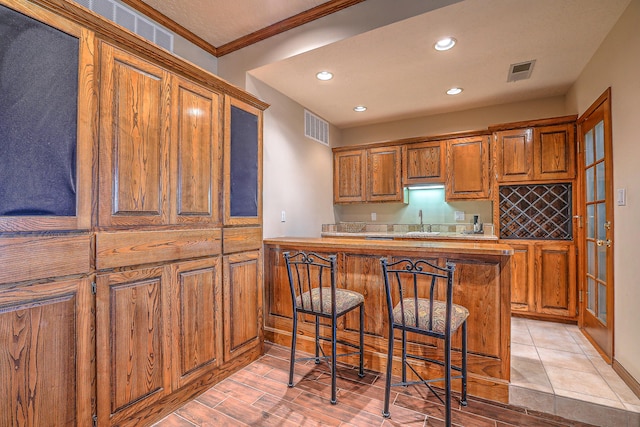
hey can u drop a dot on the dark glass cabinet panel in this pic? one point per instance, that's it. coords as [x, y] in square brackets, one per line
[244, 164]
[38, 117]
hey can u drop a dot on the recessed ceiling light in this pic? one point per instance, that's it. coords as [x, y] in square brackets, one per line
[360, 108]
[324, 75]
[454, 91]
[445, 43]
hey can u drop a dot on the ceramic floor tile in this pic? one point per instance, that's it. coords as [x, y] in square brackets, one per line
[558, 340]
[566, 359]
[524, 351]
[610, 403]
[579, 382]
[521, 335]
[532, 399]
[529, 374]
[591, 413]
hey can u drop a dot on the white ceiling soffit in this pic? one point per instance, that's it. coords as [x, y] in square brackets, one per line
[397, 74]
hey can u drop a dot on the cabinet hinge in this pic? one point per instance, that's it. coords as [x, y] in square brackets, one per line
[95, 421]
[580, 295]
[94, 288]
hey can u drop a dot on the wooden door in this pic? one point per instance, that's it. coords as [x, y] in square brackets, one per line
[522, 278]
[423, 163]
[555, 278]
[132, 318]
[196, 319]
[349, 176]
[468, 168]
[46, 348]
[196, 162]
[134, 125]
[242, 163]
[596, 238]
[514, 155]
[383, 174]
[555, 152]
[242, 303]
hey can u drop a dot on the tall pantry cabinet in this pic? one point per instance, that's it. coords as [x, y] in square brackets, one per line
[150, 291]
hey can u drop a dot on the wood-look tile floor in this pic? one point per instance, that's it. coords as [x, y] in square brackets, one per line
[258, 396]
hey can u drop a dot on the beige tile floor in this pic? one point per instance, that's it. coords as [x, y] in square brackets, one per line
[554, 369]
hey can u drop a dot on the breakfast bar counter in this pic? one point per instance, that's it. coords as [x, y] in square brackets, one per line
[482, 283]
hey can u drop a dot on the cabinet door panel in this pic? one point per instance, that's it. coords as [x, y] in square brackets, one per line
[514, 155]
[45, 343]
[242, 303]
[133, 353]
[555, 155]
[196, 312]
[423, 163]
[556, 279]
[468, 168]
[134, 121]
[383, 175]
[196, 163]
[242, 163]
[522, 278]
[349, 176]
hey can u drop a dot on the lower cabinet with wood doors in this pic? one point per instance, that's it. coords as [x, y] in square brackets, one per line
[544, 278]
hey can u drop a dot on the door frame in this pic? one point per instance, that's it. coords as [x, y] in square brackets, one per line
[604, 101]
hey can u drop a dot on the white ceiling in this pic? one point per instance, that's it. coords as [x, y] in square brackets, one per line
[395, 71]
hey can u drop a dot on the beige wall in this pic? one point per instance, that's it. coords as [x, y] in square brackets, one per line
[616, 64]
[297, 175]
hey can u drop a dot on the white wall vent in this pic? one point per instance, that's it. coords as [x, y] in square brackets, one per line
[520, 71]
[131, 20]
[316, 128]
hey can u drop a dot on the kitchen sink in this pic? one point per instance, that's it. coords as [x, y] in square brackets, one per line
[422, 233]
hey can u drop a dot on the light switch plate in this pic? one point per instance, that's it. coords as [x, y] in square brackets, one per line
[373, 216]
[459, 216]
[622, 197]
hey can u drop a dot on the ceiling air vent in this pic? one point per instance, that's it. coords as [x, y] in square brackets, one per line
[316, 128]
[520, 71]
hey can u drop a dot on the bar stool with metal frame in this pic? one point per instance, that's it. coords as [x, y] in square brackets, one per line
[412, 289]
[312, 279]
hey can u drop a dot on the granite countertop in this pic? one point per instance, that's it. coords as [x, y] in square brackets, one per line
[458, 247]
[411, 235]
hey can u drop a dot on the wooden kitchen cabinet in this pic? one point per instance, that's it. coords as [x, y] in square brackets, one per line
[349, 176]
[542, 151]
[195, 168]
[142, 106]
[196, 313]
[544, 281]
[133, 342]
[242, 303]
[423, 163]
[242, 163]
[468, 168]
[45, 337]
[384, 174]
[134, 146]
[368, 175]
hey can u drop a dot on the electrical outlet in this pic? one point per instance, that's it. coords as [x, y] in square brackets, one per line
[459, 216]
[283, 216]
[373, 216]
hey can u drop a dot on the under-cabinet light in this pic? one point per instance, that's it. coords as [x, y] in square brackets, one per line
[425, 187]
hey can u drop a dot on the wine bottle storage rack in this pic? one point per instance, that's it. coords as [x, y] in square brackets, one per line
[541, 211]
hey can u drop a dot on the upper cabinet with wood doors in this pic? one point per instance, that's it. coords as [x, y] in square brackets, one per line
[159, 147]
[242, 163]
[468, 168]
[368, 175]
[423, 163]
[536, 151]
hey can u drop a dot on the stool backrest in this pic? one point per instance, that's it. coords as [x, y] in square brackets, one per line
[406, 281]
[309, 271]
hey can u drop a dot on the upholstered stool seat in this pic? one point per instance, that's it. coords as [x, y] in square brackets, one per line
[438, 323]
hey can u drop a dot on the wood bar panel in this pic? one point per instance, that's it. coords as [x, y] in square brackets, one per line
[241, 239]
[482, 284]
